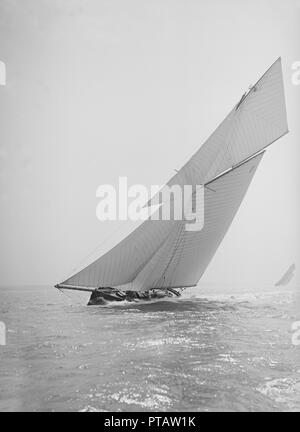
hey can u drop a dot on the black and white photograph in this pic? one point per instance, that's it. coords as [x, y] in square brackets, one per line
[150, 208]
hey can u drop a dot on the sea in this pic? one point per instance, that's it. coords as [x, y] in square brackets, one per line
[213, 349]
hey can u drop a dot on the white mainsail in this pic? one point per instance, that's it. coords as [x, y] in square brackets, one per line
[183, 258]
[159, 253]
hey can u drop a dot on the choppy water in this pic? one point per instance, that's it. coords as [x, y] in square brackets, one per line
[203, 353]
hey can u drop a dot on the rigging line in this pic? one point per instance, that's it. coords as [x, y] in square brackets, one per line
[63, 292]
[212, 190]
[156, 250]
[182, 246]
[226, 139]
[261, 151]
[236, 119]
[254, 87]
[71, 298]
[136, 264]
[203, 185]
[245, 95]
[173, 252]
[258, 151]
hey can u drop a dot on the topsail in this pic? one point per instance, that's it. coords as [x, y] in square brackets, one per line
[161, 253]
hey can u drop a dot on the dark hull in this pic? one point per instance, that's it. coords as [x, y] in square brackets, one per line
[103, 296]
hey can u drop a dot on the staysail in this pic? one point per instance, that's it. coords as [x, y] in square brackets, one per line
[161, 253]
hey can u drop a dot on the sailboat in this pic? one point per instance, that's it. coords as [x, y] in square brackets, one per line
[287, 277]
[161, 258]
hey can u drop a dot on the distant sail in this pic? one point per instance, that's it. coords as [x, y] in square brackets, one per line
[162, 253]
[287, 277]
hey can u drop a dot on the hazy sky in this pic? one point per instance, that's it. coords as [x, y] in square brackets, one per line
[97, 89]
